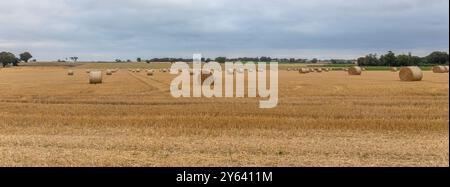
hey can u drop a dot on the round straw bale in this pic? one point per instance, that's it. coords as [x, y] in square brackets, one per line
[355, 70]
[394, 69]
[240, 70]
[303, 70]
[88, 71]
[150, 72]
[318, 70]
[446, 68]
[288, 69]
[95, 77]
[138, 70]
[108, 72]
[70, 72]
[439, 69]
[363, 69]
[410, 73]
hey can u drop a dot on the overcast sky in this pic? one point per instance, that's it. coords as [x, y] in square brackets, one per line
[126, 29]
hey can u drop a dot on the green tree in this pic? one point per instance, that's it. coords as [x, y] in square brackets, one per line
[415, 60]
[25, 56]
[7, 58]
[389, 59]
[373, 60]
[265, 59]
[221, 59]
[138, 59]
[404, 60]
[437, 57]
[361, 61]
[314, 60]
[369, 60]
[74, 58]
[16, 62]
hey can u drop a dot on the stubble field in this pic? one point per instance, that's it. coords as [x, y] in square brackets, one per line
[322, 119]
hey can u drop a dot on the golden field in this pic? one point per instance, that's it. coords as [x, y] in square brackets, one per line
[322, 119]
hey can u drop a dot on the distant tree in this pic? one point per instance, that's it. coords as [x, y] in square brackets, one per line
[128, 60]
[369, 60]
[118, 60]
[138, 59]
[221, 59]
[7, 58]
[147, 61]
[404, 60]
[265, 59]
[208, 60]
[314, 60]
[361, 61]
[389, 59]
[25, 56]
[16, 62]
[408, 60]
[342, 61]
[437, 57]
[415, 60]
[373, 60]
[74, 58]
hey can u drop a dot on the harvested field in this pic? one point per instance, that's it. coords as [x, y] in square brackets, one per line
[330, 119]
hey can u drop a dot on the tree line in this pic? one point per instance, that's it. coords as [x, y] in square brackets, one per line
[224, 59]
[7, 58]
[390, 59]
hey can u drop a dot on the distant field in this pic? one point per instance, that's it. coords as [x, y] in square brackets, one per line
[323, 119]
[157, 65]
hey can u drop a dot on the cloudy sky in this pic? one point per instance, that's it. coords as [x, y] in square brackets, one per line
[126, 29]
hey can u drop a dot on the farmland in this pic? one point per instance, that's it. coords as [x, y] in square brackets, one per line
[322, 119]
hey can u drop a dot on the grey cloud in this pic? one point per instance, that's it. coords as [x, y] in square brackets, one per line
[104, 30]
